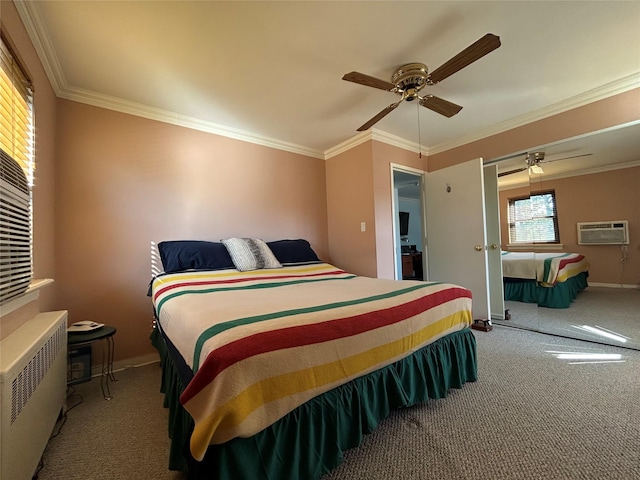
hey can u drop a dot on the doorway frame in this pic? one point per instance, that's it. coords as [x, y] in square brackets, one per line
[397, 255]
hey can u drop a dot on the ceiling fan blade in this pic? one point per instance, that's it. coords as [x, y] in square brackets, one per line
[502, 159]
[379, 117]
[473, 52]
[368, 81]
[439, 105]
[512, 171]
[567, 158]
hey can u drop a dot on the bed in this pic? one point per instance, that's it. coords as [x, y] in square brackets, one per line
[273, 371]
[549, 279]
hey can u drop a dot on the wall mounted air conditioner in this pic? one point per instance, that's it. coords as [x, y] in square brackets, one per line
[603, 233]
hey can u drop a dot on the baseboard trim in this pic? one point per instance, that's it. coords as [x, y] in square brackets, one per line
[118, 366]
[614, 285]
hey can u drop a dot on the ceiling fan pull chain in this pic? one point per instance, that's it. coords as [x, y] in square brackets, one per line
[419, 131]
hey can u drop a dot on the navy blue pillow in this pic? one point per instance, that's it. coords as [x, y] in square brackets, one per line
[181, 255]
[293, 251]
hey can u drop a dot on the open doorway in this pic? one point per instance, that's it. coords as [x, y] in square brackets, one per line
[408, 215]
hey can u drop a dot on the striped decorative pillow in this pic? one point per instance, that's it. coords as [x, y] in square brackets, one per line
[250, 254]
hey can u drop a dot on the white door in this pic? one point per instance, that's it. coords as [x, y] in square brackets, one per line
[494, 257]
[456, 231]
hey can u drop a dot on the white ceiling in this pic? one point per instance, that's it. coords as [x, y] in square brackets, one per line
[270, 72]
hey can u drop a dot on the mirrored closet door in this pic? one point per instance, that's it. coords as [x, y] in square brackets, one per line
[570, 218]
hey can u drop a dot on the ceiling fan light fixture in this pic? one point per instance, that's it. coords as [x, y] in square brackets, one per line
[537, 169]
[411, 95]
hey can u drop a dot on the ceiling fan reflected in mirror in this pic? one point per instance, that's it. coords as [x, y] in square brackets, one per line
[533, 161]
[408, 80]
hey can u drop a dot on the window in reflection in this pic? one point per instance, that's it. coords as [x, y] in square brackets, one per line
[533, 219]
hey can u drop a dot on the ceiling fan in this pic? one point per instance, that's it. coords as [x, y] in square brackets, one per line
[533, 161]
[408, 80]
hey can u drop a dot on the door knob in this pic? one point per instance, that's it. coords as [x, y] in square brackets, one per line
[494, 246]
[478, 248]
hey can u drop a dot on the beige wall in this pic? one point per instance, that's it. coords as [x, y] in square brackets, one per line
[350, 201]
[126, 181]
[44, 184]
[613, 195]
[609, 112]
[383, 156]
[359, 190]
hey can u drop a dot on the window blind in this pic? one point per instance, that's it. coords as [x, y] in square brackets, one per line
[16, 117]
[16, 176]
[533, 219]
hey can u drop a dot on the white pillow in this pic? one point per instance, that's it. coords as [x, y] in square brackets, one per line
[250, 254]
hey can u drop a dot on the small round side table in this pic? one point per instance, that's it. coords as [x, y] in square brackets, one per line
[105, 335]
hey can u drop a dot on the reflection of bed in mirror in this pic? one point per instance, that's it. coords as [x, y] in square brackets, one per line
[547, 279]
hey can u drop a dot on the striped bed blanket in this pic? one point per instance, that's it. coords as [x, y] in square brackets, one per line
[263, 342]
[546, 268]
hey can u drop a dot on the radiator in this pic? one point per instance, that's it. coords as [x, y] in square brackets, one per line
[33, 376]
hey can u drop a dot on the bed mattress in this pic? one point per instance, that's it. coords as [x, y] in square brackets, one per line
[261, 343]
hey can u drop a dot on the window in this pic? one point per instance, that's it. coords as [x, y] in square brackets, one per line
[16, 175]
[16, 120]
[533, 219]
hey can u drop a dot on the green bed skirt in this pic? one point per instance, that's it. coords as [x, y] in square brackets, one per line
[559, 296]
[309, 441]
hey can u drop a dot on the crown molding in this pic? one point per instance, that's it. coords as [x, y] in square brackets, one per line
[348, 144]
[374, 134]
[576, 173]
[590, 171]
[36, 29]
[158, 114]
[165, 116]
[599, 93]
[493, 161]
[399, 142]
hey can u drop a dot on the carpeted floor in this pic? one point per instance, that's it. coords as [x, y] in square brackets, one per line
[609, 310]
[531, 415]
